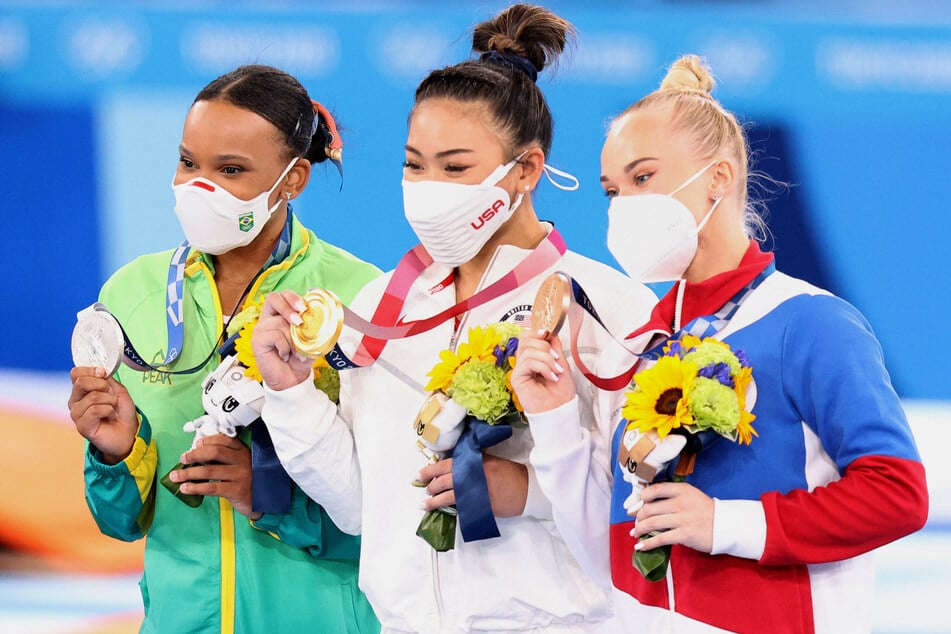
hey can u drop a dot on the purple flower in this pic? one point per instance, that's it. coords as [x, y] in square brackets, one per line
[718, 371]
[742, 358]
[502, 354]
[675, 349]
[499, 353]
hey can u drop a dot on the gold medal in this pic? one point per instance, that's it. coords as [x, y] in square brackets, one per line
[322, 323]
[551, 304]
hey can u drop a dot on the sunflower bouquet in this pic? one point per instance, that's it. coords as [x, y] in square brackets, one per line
[470, 387]
[697, 388]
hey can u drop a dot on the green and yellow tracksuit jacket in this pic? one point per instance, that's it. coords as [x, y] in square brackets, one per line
[210, 569]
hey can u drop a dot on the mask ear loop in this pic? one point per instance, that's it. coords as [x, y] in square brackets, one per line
[280, 199]
[548, 171]
[687, 182]
[716, 203]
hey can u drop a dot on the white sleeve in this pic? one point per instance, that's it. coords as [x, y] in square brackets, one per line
[739, 528]
[315, 445]
[568, 461]
[537, 504]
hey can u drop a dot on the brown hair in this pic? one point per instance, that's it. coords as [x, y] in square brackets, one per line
[506, 86]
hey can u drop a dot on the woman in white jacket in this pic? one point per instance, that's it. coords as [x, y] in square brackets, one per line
[479, 133]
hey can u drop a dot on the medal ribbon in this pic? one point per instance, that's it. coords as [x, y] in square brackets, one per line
[701, 327]
[174, 310]
[385, 324]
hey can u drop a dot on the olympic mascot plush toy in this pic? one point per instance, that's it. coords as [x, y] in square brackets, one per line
[231, 400]
[644, 456]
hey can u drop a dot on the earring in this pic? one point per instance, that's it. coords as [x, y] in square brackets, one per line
[527, 187]
[288, 196]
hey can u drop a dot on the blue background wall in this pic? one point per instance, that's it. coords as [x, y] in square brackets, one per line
[849, 104]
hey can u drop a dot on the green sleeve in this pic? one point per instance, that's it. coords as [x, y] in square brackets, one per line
[308, 526]
[343, 273]
[121, 497]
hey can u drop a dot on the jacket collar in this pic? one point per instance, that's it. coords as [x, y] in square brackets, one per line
[708, 296]
[271, 276]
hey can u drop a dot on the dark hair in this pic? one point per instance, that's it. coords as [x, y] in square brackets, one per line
[279, 98]
[515, 103]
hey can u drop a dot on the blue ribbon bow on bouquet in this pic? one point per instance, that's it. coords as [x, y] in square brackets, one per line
[473, 510]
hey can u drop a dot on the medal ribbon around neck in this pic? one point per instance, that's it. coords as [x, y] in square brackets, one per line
[385, 324]
[174, 310]
[701, 327]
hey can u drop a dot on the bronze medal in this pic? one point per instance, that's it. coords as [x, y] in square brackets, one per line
[551, 304]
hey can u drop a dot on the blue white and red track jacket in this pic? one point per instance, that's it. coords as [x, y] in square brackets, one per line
[833, 474]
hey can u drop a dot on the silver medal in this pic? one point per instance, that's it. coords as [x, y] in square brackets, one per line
[97, 339]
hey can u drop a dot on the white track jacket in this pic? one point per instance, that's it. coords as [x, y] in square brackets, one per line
[358, 463]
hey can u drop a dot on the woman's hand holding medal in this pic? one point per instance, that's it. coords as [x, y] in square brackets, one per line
[539, 377]
[103, 412]
[281, 364]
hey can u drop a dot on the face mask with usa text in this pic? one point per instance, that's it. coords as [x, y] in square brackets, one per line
[454, 221]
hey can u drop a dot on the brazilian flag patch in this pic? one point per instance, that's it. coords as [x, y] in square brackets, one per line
[246, 221]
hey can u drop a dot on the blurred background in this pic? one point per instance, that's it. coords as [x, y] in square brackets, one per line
[848, 102]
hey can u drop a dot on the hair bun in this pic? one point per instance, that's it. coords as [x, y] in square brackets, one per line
[690, 73]
[526, 30]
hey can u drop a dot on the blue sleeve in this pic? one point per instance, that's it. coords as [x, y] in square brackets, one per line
[834, 375]
[308, 526]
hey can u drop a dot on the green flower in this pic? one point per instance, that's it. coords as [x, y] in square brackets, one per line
[479, 387]
[507, 330]
[714, 406]
[327, 380]
[250, 314]
[710, 352]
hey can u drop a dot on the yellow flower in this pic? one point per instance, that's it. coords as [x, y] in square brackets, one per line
[687, 341]
[251, 311]
[480, 344]
[242, 347]
[659, 400]
[744, 428]
[443, 371]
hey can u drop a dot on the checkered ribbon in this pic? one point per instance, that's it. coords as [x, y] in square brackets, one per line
[174, 312]
[709, 325]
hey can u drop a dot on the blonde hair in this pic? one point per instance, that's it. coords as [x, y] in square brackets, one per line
[712, 129]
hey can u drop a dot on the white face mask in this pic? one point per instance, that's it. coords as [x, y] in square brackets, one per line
[652, 236]
[454, 221]
[215, 220]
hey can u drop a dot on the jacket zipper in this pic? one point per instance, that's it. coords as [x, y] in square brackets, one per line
[465, 316]
[437, 590]
[670, 597]
[226, 526]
